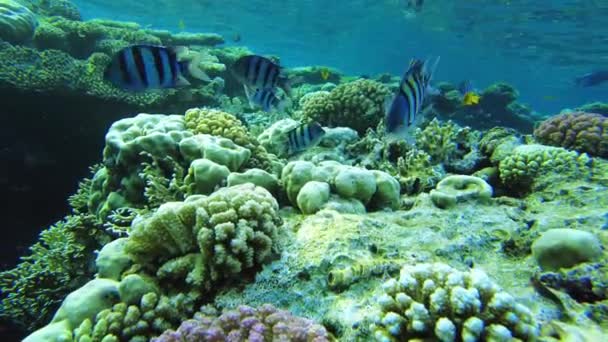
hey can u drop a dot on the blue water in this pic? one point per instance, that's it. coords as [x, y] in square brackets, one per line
[369, 37]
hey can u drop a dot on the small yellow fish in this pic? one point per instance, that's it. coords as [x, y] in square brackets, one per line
[549, 98]
[324, 74]
[470, 99]
[181, 24]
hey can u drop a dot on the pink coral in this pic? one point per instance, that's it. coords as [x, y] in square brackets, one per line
[580, 131]
[266, 323]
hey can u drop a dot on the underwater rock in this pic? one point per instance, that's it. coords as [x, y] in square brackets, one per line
[216, 149]
[595, 107]
[580, 131]
[315, 74]
[17, 22]
[563, 248]
[459, 188]
[258, 177]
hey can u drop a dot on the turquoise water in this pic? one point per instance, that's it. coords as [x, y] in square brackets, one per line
[136, 201]
[536, 46]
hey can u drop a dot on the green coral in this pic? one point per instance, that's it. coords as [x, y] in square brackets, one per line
[529, 166]
[358, 104]
[149, 317]
[219, 123]
[416, 172]
[17, 22]
[450, 144]
[57, 264]
[435, 301]
[205, 239]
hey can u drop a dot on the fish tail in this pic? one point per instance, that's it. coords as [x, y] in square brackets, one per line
[190, 62]
[430, 71]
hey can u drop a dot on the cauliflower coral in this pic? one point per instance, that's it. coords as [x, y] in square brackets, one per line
[435, 301]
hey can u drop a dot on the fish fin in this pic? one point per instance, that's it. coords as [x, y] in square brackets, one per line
[431, 71]
[249, 98]
[284, 103]
[181, 81]
[181, 52]
[194, 68]
[430, 90]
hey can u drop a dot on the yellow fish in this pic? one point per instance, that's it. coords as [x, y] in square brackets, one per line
[470, 99]
[181, 25]
[325, 74]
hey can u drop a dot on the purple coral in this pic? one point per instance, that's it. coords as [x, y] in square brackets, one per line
[266, 323]
[580, 131]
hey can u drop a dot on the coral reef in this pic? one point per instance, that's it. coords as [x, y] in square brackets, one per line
[358, 105]
[357, 186]
[205, 239]
[148, 317]
[17, 22]
[436, 301]
[564, 248]
[459, 188]
[219, 123]
[497, 107]
[532, 167]
[57, 264]
[580, 131]
[245, 323]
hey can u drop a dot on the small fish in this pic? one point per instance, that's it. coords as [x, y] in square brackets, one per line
[259, 72]
[236, 37]
[592, 79]
[181, 25]
[143, 67]
[304, 136]
[267, 99]
[324, 73]
[470, 99]
[409, 98]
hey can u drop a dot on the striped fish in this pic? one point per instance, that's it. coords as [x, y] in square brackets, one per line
[304, 136]
[143, 67]
[267, 99]
[409, 97]
[257, 72]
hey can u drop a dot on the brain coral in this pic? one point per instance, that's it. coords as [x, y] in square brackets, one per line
[17, 22]
[358, 104]
[266, 323]
[208, 237]
[437, 302]
[580, 131]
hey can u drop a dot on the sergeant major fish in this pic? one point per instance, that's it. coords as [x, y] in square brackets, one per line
[257, 72]
[303, 137]
[143, 67]
[267, 99]
[408, 99]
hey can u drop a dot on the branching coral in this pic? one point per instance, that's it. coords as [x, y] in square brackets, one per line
[358, 104]
[208, 238]
[57, 264]
[416, 172]
[136, 322]
[528, 164]
[266, 323]
[580, 131]
[435, 301]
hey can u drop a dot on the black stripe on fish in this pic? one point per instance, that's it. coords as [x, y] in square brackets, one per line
[123, 66]
[408, 92]
[158, 64]
[256, 70]
[139, 64]
[172, 60]
[269, 71]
